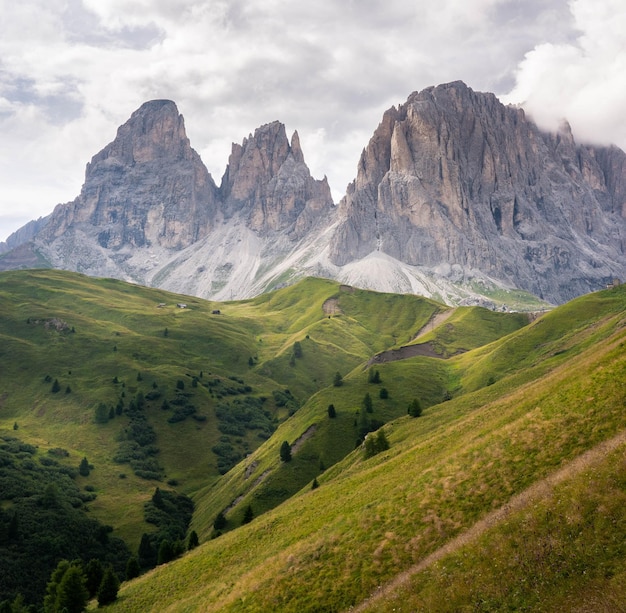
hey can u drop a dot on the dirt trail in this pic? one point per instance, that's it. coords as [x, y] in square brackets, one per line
[534, 493]
[411, 351]
[436, 320]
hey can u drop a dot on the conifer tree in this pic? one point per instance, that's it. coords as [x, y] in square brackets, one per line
[285, 452]
[83, 469]
[192, 541]
[248, 515]
[415, 408]
[107, 592]
[94, 571]
[132, 568]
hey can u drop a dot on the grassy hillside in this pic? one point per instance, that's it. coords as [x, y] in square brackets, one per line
[200, 399]
[523, 408]
[155, 394]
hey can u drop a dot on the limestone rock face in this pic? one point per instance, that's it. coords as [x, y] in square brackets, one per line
[146, 187]
[453, 177]
[268, 182]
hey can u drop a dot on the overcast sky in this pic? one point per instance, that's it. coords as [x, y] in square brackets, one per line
[72, 71]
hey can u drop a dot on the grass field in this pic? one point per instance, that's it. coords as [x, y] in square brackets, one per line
[506, 404]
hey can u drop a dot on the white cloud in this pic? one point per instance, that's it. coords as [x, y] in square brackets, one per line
[583, 81]
[71, 72]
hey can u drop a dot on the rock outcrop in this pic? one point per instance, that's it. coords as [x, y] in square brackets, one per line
[147, 186]
[267, 180]
[456, 196]
[454, 178]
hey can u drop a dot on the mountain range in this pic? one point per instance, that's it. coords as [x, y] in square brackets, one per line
[456, 197]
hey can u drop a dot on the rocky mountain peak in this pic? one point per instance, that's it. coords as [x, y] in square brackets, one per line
[455, 178]
[268, 182]
[154, 131]
[148, 186]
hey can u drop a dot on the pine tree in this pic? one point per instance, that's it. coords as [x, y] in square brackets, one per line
[332, 413]
[192, 540]
[367, 403]
[55, 386]
[94, 571]
[166, 552]
[72, 595]
[338, 380]
[107, 592]
[102, 413]
[285, 452]
[146, 554]
[83, 469]
[219, 523]
[415, 408]
[248, 515]
[132, 568]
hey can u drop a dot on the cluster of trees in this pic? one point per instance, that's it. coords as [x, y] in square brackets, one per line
[73, 584]
[171, 513]
[46, 521]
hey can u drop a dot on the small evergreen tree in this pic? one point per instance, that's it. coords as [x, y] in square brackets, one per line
[166, 332]
[132, 568]
[338, 380]
[157, 498]
[72, 594]
[68, 390]
[94, 571]
[107, 592]
[297, 349]
[415, 408]
[332, 413]
[83, 470]
[219, 523]
[139, 377]
[102, 413]
[166, 552]
[15, 426]
[315, 484]
[248, 515]
[373, 376]
[383, 394]
[192, 540]
[146, 554]
[285, 452]
[367, 403]
[382, 444]
[56, 387]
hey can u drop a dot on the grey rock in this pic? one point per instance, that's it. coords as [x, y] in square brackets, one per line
[454, 177]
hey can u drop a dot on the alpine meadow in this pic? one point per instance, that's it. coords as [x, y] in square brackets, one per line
[315, 448]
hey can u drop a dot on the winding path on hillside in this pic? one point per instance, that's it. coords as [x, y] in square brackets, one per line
[411, 351]
[539, 490]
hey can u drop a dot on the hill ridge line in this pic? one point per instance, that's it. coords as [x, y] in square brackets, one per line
[533, 493]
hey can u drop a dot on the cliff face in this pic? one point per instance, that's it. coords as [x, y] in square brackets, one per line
[453, 177]
[452, 190]
[147, 186]
[267, 180]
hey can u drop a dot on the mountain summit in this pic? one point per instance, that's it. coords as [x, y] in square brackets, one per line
[454, 178]
[456, 196]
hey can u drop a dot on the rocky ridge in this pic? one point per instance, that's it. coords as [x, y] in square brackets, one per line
[454, 177]
[456, 197]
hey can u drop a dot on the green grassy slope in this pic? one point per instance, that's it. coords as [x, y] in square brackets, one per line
[105, 342]
[557, 391]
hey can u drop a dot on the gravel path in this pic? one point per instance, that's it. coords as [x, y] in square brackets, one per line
[534, 493]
